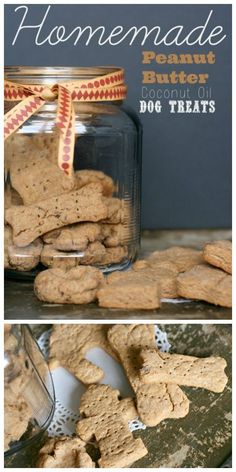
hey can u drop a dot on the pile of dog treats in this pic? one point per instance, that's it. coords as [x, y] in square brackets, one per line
[49, 215]
[177, 272]
[156, 378]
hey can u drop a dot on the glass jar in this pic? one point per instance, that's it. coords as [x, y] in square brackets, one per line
[107, 158]
[29, 398]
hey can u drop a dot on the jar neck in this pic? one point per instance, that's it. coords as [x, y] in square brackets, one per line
[51, 75]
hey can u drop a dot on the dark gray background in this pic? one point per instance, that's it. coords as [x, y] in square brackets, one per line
[186, 158]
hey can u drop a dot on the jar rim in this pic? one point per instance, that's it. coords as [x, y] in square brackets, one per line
[39, 74]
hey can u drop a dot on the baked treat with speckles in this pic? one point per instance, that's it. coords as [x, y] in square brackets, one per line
[31, 221]
[179, 369]
[106, 418]
[35, 178]
[156, 401]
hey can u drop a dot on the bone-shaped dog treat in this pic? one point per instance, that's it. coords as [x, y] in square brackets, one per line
[30, 222]
[35, 178]
[69, 345]
[157, 401]
[64, 452]
[107, 419]
[183, 370]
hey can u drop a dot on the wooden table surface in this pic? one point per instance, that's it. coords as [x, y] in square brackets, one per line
[203, 438]
[21, 303]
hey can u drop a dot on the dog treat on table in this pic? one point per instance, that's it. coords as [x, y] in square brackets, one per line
[219, 254]
[22, 259]
[107, 419]
[30, 222]
[184, 258]
[163, 273]
[204, 282]
[69, 345]
[156, 401]
[64, 452]
[129, 294]
[77, 285]
[183, 370]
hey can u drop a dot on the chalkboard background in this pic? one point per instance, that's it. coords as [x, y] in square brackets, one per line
[186, 157]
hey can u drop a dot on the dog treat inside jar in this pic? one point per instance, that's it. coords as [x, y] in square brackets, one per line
[72, 169]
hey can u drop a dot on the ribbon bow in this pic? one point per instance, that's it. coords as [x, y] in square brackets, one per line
[32, 97]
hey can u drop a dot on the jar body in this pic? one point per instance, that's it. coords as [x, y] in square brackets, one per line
[107, 156]
[29, 399]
